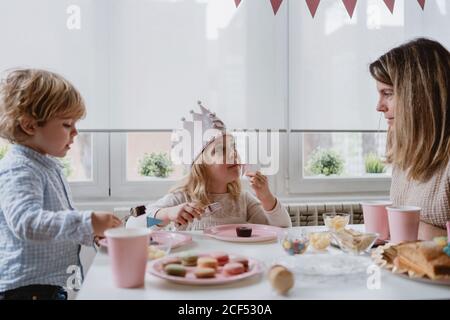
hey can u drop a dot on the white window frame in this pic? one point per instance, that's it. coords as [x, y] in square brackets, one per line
[299, 185]
[123, 189]
[98, 187]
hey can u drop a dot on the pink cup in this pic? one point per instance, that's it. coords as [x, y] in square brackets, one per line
[127, 249]
[376, 218]
[403, 223]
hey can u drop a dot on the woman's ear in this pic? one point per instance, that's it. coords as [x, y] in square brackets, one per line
[28, 125]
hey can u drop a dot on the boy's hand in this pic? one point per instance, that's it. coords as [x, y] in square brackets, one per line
[186, 212]
[102, 221]
[260, 185]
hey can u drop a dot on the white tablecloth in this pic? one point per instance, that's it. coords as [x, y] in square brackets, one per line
[99, 284]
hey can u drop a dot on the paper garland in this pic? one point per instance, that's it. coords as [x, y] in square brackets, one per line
[349, 5]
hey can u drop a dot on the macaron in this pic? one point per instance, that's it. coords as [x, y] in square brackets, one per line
[241, 260]
[204, 273]
[233, 268]
[172, 260]
[222, 258]
[176, 270]
[207, 262]
[189, 259]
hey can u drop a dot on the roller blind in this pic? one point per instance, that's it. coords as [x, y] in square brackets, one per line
[330, 85]
[143, 64]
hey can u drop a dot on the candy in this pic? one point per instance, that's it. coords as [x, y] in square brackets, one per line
[295, 246]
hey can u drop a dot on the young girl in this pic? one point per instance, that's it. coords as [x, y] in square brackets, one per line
[215, 177]
[40, 231]
[413, 82]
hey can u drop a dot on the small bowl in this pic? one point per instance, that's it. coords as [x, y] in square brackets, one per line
[157, 251]
[293, 242]
[320, 241]
[354, 242]
[336, 221]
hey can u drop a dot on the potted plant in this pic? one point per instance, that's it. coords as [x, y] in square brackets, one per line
[67, 166]
[325, 162]
[374, 164]
[155, 165]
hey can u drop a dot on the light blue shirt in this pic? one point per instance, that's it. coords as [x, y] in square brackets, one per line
[40, 231]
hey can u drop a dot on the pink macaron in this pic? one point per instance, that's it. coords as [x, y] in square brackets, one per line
[222, 257]
[233, 268]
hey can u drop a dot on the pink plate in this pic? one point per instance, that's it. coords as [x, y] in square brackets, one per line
[162, 237]
[156, 268]
[227, 232]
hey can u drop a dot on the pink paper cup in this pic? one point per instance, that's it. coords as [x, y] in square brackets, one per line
[403, 223]
[376, 217]
[128, 253]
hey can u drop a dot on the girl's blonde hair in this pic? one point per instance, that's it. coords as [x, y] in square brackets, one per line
[38, 94]
[419, 72]
[194, 185]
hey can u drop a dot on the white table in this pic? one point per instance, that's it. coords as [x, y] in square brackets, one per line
[98, 283]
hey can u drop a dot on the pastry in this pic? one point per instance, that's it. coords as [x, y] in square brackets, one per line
[244, 232]
[423, 258]
[355, 241]
[233, 268]
[176, 270]
[172, 260]
[203, 273]
[281, 279]
[189, 260]
[207, 262]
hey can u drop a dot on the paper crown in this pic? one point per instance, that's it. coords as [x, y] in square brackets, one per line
[198, 133]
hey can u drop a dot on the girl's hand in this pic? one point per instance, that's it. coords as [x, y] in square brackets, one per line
[186, 212]
[260, 185]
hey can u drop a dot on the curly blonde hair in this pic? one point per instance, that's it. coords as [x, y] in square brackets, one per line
[38, 94]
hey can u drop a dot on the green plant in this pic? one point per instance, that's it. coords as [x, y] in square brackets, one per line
[326, 162]
[155, 165]
[67, 166]
[3, 151]
[374, 164]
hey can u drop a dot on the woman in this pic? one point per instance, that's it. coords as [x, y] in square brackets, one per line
[413, 82]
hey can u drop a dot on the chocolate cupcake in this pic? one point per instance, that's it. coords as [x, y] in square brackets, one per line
[244, 232]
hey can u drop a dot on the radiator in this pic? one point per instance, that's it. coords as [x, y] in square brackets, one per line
[310, 214]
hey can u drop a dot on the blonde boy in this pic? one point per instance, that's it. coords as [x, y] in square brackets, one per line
[40, 230]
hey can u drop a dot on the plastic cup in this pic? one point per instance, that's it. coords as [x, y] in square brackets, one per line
[403, 223]
[128, 253]
[376, 217]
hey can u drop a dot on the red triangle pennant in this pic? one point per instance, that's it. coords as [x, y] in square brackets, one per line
[312, 6]
[422, 3]
[390, 4]
[350, 6]
[237, 3]
[276, 5]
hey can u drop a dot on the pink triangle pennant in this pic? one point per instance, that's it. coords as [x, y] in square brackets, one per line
[312, 6]
[422, 3]
[276, 5]
[350, 6]
[237, 3]
[390, 4]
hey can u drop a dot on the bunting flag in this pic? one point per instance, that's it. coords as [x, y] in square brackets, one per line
[276, 5]
[350, 6]
[390, 4]
[422, 3]
[312, 6]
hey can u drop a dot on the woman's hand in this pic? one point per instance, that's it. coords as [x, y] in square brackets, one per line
[260, 185]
